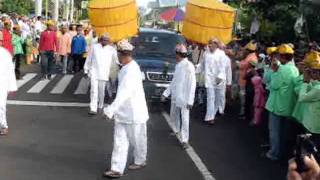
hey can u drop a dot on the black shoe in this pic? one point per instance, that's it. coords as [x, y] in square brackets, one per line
[43, 77]
[185, 145]
[92, 113]
[49, 77]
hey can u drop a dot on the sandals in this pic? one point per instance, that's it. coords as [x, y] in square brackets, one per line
[185, 145]
[212, 122]
[112, 174]
[4, 132]
[137, 167]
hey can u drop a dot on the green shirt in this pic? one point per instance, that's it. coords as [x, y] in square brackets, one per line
[267, 77]
[282, 97]
[310, 96]
[17, 42]
[298, 109]
[29, 46]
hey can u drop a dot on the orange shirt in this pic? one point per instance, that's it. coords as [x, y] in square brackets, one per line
[244, 66]
[64, 44]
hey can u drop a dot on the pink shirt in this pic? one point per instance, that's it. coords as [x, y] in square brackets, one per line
[64, 44]
[72, 34]
[244, 65]
[259, 92]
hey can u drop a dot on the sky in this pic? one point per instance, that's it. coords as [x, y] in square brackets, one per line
[143, 3]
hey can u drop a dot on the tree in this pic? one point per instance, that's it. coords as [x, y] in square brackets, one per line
[278, 17]
[21, 7]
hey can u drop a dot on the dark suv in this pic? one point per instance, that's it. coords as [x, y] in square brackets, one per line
[155, 53]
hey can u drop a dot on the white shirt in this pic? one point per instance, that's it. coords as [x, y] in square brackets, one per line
[99, 61]
[38, 26]
[130, 104]
[25, 29]
[183, 86]
[214, 66]
[7, 76]
[228, 70]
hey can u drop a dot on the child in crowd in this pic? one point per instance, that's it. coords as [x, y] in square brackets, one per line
[249, 98]
[29, 50]
[259, 97]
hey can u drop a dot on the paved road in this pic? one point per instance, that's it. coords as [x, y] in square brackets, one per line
[65, 143]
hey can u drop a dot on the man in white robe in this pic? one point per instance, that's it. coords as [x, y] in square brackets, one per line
[97, 66]
[130, 112]
[8, 85]
[182, 90]
[216, 67]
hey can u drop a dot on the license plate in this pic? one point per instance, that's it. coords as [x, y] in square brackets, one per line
[159, 91]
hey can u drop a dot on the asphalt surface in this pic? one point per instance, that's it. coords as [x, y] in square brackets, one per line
[49, 143]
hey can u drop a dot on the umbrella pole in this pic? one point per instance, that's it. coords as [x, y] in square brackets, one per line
[199, 55]
[178, 21]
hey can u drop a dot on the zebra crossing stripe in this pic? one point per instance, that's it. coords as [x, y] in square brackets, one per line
[48, 104]
[40, 85]
[62, 84]
[83, 86]
[26, 78]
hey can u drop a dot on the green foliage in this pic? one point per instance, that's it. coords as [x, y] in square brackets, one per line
[278, 17]
[84, 14]
[21, 7]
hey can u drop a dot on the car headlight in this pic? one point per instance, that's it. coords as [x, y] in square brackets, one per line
[143, 75]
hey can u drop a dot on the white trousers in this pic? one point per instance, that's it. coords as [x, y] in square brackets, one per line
[124, 136]
[216, 101]
[180, 118]
[111, 87]
[3, 111]
[97, 94]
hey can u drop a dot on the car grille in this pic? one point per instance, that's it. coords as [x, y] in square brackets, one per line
[159, 77]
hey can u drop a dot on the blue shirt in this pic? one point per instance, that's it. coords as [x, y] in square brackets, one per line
[78, 45]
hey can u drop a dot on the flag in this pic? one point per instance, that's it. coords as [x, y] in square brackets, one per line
[299, 24]
[255, 26]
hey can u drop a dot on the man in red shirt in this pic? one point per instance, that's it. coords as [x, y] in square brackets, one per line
[6, 37]
[47, 49]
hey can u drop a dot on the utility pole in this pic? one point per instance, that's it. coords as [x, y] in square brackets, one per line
[47, 9]
[67, 10]
[71, 10]
[56, 11]
[38, 7]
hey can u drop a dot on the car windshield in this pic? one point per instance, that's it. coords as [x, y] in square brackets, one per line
[156, 44]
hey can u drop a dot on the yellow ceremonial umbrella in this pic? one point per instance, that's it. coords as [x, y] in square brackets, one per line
[206, 19]
[118, 18]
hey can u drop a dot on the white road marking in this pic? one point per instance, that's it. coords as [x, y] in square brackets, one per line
[62, 84]
[40, 85]
[26, 78]
[83, 86]
[190, 151]
[50, 104]
[192, 154]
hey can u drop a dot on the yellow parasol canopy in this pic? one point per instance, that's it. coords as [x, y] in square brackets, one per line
[118, 18]
[206, 19]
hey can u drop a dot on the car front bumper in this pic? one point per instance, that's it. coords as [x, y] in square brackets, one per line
[154, 90]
